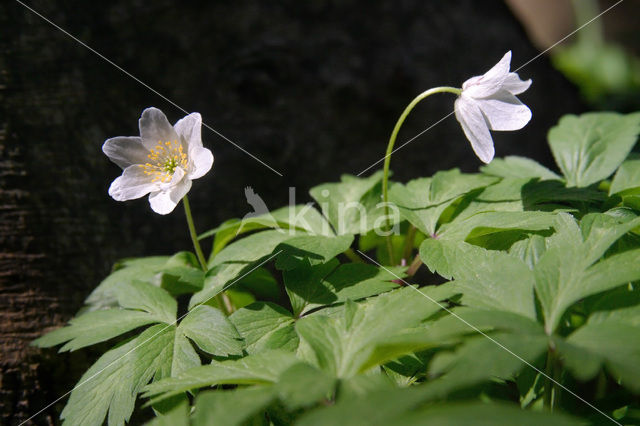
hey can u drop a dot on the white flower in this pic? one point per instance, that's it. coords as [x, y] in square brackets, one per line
[161, 162]
[488, 102]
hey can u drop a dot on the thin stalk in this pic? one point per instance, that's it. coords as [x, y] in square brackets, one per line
[415, 265]
[392, 141]
[223, 301]
[353, 256]
[550, 387]
[408, 242]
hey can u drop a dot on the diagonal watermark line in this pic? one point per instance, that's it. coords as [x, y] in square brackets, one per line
[77, 40]
[152, 337]
[516, 70]
[476, 329]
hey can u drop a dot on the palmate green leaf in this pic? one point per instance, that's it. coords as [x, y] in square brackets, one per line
[182, 274]
[262, 368]
[481, 358]
[342, 344]
[627, 179]
[265, 326]
[566, 272]
[302, 385]
[614, 343]
[112, 383]
[94, 327]
[212, 331]
[483, 414]
[422, 201]
[518, 167]
[313, 286]
[352, 206]
[146, 269]
[315, 248]
[218, 278]
[143, 304]
[302, 217]
[177, 416]
[401, 406]
[148, 298]
[250, 249]
[486, 278]
[232, 407]
[590, 147]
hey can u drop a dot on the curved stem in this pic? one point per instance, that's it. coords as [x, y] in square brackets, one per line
[392, 141]
[194, 235]
[222, 300]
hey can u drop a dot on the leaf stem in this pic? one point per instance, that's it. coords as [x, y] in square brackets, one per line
[408, 242]
[415, 265]
[550, 388]
[392, 141]
[353, 256]
[222, 299]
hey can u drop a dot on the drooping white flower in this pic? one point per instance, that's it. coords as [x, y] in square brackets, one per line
[488, 102]
[161, 162]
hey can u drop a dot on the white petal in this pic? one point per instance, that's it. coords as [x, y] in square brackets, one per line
[163, 202]
[189, 129]
[201, 161]
[132, 184]
[514, 85]
[177, 176]
[491, 81]
[475, 127]
[126, 150]
[504, 111]
[154, 127]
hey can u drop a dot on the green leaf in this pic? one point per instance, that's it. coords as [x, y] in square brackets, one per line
[422, 201]
[182, 274]
[94, 327]
[518, 167]
[313, 286]
[302, 385]
[483, 414]
[316, 248]
[148, 298]
[590, 147]
[486, 223]
[260, 368]
[250, 249]
[177, 416]
[233, 407]
[484, 277]
[218, 278]
[627, 179]
[265, 326]
[565, 274]
[145, 269]
[610, 342]
[481, 358]
[112, 383]
[352, 206]
[212, 331]
[342, 345]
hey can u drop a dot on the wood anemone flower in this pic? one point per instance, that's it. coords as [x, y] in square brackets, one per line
[488, 102]
[161, 162]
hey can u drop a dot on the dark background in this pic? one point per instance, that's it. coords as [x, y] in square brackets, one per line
[312, 88]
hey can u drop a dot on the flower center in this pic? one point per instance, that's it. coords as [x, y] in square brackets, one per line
[164, 158]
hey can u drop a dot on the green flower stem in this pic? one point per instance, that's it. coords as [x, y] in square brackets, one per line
[550, 388]
[222, 300]
[392, 141]
[408, 242]
[353, 256]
